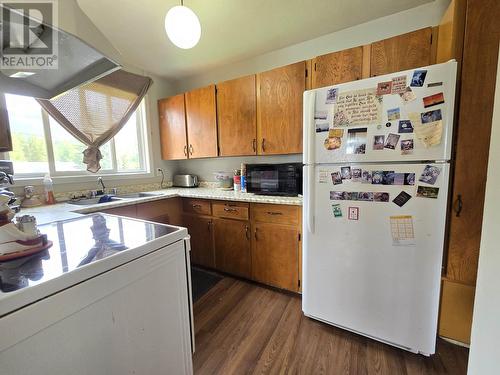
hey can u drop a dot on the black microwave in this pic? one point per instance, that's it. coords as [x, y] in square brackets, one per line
[274, 179]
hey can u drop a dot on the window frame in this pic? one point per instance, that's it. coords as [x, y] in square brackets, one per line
[144, 147]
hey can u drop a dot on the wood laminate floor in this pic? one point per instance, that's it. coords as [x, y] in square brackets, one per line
[243, 328]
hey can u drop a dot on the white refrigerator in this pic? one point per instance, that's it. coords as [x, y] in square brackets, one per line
[376, 177]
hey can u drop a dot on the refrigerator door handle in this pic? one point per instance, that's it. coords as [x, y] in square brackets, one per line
[309, 130]
[309, 191]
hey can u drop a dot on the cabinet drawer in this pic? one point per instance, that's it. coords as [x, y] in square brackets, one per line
[230, 210]
[196, 206]
[275, 213]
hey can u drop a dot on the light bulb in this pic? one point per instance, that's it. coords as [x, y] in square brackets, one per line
[183, 27]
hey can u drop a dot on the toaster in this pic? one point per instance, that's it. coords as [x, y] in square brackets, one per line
[185, 180]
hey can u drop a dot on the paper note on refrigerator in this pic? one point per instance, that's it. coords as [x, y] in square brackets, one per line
[429, 134]
[358, 107]
[402, 230]
[322, 176]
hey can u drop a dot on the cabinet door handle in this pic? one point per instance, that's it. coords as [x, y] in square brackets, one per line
[255, 234]
[227, 209]
[185, 150]
[458, 205]
[191, 150]
[247, 234]
[209, 225]
[274, 213]
[263, 145]
[254, 145]
[196, 205]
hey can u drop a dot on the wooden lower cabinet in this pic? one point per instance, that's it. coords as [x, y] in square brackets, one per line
[232, 247]
[255, 241]
[275, 253]
[457, 305]
[128, 211]
[200, 229]
[165, 211]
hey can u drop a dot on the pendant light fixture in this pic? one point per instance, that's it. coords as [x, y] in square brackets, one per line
[182, 26]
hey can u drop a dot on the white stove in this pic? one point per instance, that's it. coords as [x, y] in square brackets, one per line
[111, 296]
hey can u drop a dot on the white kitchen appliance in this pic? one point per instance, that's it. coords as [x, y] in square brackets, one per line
[111, 296]
[371, 265]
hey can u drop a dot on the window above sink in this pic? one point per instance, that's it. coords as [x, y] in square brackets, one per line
[42, 146]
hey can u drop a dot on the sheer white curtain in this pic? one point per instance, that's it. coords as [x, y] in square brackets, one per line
[95, 112]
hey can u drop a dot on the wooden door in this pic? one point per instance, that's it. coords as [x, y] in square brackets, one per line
[479, 69]
[337, 67]
[275, 254]
[5, 137]
[201, 122]
[279, 109]
[402, 52]
[232, 246]
[237, 117]
[201, 232]
[172, 115]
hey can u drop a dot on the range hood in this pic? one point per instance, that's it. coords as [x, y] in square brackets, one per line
[77, 62]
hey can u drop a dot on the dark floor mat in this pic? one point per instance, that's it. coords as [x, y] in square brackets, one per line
[202, 282]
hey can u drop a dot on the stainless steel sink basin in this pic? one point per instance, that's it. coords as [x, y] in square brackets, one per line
[91, 201]
[138, 195]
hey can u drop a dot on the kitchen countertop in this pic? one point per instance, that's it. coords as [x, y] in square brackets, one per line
[62, 211]
[83, 247]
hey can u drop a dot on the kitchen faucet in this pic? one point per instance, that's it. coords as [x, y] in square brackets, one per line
[99, 181]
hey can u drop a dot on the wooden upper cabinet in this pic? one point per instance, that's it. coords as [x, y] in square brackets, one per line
[451, 33]
[402, 52]
[279, 109]
[237, 117]
[201, 122]
[5, 138]
[337, 67]
[172, 115]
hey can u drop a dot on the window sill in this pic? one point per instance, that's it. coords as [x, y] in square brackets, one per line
[37, 180]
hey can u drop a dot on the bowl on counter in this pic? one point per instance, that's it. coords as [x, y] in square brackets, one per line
[224, 180]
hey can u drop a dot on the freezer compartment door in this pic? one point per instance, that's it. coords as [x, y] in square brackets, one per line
[372, 265]
[337, 129]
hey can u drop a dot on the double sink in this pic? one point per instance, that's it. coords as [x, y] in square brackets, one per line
[112, 198]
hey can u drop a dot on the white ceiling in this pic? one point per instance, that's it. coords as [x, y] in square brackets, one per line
[232, 30]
